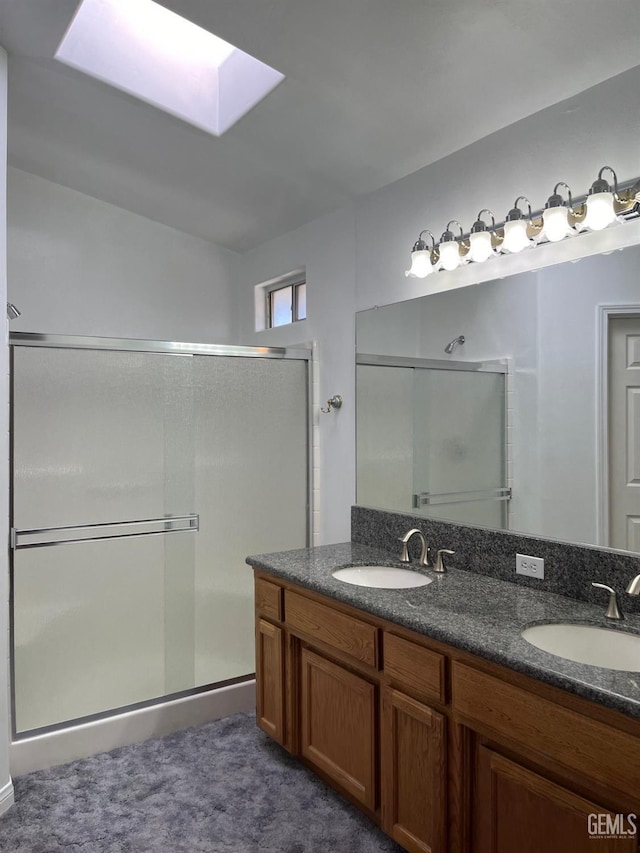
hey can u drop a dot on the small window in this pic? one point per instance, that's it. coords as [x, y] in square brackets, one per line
[286, 304]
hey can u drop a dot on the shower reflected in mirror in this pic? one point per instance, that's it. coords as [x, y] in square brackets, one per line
[453, 344]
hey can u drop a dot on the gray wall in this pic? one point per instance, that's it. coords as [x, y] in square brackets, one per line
[327, 248]
[83, 267]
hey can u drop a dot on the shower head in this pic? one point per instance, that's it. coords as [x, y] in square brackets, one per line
[12, 312]
[452, 344]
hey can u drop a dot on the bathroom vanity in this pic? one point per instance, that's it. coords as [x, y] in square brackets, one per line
[427, 709]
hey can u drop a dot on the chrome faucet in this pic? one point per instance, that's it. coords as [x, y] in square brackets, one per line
[424, 553]
[634, 586]
[612, 611]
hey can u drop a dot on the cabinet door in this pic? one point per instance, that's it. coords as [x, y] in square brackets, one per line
[413, 773]
[519, 810]
[339, 725]
[270, 679]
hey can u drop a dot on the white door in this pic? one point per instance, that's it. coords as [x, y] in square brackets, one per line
[624, 432]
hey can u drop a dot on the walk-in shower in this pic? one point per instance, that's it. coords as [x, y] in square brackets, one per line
[142, 474]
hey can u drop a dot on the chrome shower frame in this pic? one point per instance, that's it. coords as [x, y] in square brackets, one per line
[170, 348]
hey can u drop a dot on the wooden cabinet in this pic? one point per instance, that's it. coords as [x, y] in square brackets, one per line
[521, 810]
[447, 752]
[270, 679]
[338, 725]
[413, 773]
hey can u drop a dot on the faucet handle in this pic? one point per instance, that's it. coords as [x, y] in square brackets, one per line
[634, 586]
[440, 566]
[613, 611]
[404, 556]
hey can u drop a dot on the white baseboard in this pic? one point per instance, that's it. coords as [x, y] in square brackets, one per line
[47, 750]
[6, 797]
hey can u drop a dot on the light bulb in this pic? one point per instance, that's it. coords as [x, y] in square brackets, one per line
[449, 255]
[556, 223]
[600, 212]
[480, 247]
[421, 264]
[515, 236]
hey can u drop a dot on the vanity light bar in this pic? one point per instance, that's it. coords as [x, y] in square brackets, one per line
[605, 204]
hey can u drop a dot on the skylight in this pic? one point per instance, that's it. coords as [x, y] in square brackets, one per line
[154, 54]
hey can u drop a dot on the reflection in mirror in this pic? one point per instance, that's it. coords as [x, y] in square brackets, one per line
[557, 437]
[414, 456]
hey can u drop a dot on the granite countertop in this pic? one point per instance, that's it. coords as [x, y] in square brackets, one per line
[480, 614]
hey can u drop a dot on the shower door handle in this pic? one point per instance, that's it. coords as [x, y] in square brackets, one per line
[502, 493]
[43, 537]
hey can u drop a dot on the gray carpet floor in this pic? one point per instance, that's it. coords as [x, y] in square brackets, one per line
[219, 788]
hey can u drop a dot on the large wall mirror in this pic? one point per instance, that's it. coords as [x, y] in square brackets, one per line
[512, 404]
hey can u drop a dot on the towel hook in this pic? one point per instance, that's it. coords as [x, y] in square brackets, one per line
[332, 403]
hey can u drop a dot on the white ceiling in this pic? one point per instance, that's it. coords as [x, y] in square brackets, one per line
[374, 90]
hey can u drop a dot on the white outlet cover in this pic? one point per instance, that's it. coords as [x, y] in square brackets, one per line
[532, 567]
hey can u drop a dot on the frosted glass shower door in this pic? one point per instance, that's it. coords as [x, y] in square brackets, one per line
[105, 439]
[251, 452]
[141, 481]
[459, 437]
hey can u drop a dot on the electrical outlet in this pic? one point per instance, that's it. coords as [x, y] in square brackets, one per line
[533, 567]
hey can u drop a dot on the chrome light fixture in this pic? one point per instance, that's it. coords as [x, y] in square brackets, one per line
[602, 206]
[555, 217]
[421, 264]
[516, 237]
[449, 247]
[480, 242]
[599, 204]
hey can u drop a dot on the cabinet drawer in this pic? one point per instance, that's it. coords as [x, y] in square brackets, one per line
[269, 599]
[587, 746]
[344, 633]
[414, 667]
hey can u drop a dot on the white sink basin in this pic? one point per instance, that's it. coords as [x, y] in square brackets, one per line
[588, 644]
[381, 577]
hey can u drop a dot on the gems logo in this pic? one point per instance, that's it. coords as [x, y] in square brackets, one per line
[605, 825]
